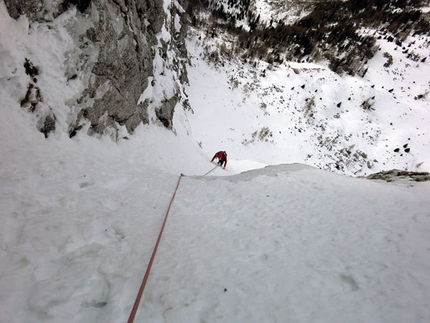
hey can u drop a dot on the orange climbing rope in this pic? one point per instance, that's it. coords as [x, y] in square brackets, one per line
[148, 269]
[211, 170]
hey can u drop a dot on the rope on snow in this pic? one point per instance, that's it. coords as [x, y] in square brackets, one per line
[148, 269]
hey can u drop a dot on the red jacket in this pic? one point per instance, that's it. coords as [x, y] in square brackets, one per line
[222, 157]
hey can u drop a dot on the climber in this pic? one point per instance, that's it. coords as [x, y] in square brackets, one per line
[222, 158]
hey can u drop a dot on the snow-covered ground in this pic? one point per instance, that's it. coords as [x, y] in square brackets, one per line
[302, 112]
[287, 242]
[282, 243]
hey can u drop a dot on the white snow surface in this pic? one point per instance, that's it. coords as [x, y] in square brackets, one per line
[268, 239]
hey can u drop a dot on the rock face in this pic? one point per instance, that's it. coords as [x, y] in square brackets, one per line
[116, 44]
[395, 174]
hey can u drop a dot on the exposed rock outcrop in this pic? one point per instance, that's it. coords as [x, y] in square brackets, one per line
[394, 174]
[117, 42]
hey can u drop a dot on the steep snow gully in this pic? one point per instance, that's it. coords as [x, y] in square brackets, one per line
[268, 239]
[281, 243]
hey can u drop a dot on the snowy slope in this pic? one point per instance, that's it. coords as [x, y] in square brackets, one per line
[277, 10]
[292, 243]
[268, 114]
[289, 242]
[301, 112]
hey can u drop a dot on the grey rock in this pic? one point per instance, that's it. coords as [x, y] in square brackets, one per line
[116, 42]
[30, 8]
[395, 174]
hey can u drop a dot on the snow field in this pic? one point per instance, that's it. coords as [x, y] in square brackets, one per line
[314, 248]
[313, 115]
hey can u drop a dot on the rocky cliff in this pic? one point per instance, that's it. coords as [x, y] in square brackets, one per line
[117, 50]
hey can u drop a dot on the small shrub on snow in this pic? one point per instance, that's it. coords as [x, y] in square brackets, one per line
[263, 135]
[368, 105]
[389, 58]
[307, 109]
